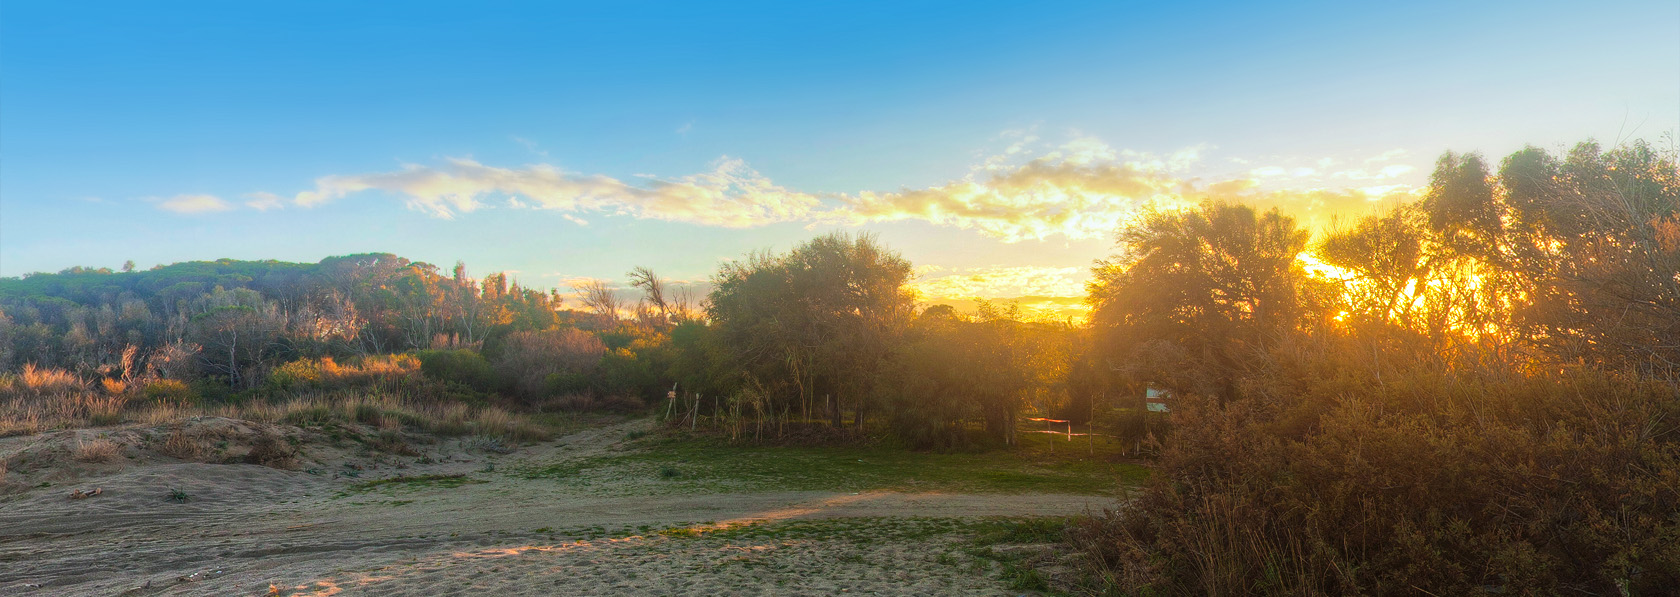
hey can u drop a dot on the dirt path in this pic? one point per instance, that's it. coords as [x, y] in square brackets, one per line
[244, 528]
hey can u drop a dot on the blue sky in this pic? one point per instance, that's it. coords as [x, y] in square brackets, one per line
[992, 144]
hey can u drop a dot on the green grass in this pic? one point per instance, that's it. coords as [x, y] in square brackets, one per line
[702, 464]
[414, 482]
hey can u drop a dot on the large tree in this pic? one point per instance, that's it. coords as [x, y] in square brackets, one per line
[1193, 293]
[822, 317]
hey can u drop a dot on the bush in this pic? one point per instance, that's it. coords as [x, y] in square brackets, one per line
[1321, 480]
[372, 373]
[35, 382]
[527, 359]
[168, 391]
[462, 366]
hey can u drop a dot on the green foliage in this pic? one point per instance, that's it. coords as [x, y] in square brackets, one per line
[169, 391]
[460, 366]
[818, 321]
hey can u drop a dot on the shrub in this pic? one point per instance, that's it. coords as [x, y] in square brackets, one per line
[296, 375]
[461, 366]
[113, 387]
[1324, 480]
[169, 391]
[384, 372]
[527, 359]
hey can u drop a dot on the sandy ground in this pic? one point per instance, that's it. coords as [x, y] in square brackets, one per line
[247, 529]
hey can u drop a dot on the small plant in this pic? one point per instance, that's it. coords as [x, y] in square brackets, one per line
[177, 496]
[669, 472]
[635, 434]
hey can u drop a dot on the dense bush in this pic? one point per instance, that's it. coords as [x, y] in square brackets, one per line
[1334, 477]
[528, 358]
[325, 373]
[461, 366]
[168, 391]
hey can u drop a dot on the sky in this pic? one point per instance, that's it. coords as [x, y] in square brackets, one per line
[996, 146]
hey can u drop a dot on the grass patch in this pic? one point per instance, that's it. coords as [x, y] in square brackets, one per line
[701, 463]
[415, 482]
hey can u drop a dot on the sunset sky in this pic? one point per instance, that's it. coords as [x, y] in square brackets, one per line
[996, 146]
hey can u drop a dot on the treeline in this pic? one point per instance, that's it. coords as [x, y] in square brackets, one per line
[226, 327]
[823, 339]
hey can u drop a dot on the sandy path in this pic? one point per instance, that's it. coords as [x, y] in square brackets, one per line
[247, 527]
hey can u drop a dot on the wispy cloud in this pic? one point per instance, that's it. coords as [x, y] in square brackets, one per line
[530, 146]
[194, 204]
[1001, 281]
[730, 195]
[264, 201]
[1081, 189]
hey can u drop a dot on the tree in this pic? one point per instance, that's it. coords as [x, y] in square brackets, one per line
[822, 317]
[1193, 293]
[235, 330]
[600, 298]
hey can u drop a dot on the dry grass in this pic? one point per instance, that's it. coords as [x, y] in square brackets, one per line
[101, 411]
[98, 450]
[272, 452]
[36, 382]
[37, 400]
[182, 446]
[25, 421]
[451, 419]
[496, 422]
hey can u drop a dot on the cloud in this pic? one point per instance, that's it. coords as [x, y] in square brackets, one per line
[731, 195]
[194, 204]
[1082, 189]
[1002, 281]
[264, 201]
